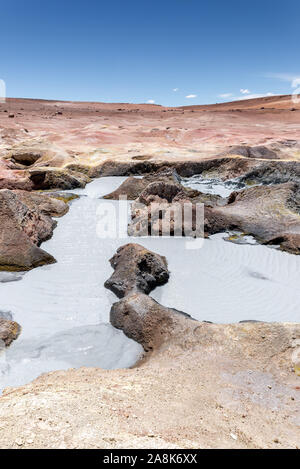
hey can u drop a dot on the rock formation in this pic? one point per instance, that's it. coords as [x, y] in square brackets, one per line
[9, 331]
[144, 320]
[136, 270]
[270, 213]
[25, 222]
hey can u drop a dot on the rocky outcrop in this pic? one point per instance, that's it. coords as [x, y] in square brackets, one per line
[140, 317]
[133, 187]
[9, 331]
[275, 172]
[47, 204]
[270, 213]
[144, 320]
[49, 178]
[260, 152]
[23, 228]
[136, 270]
[225, 167]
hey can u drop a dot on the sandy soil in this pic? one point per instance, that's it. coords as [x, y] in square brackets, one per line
[207, 386]
[102, 131]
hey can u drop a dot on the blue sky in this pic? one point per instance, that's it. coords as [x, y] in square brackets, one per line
[158, 50]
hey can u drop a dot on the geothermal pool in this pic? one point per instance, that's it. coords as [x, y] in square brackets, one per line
[64, 308]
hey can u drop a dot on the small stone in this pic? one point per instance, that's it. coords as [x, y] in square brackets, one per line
[11, 115]
[19, 441]
[233, 436]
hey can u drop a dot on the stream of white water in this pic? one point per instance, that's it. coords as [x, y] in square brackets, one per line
[64, 308]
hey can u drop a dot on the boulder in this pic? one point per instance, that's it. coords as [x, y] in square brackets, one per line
[161, 192]
[9, 331]
[260, 152]
[269, 213]
[136, 269]
[273, 172]
[144, 320]
[47, 204]
[133, 187]
[53, 178]
[22, 230]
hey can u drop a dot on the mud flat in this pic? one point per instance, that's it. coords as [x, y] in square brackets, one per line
[64, 308]
[199, 385]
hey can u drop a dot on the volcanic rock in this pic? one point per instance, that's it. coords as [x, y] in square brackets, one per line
[144, 320]
[49, 178]
[260, 152]
[133, 187]
[136, 270]
[22, 230]
[47, 204]
[9, 331]
[270, 213]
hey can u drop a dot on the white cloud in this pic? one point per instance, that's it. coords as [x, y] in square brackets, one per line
[254, 96]
[150, 101]
[175, 89]
[249, 95]
[244, 91]
[225, 95]
[282, 76]
[190, 96]
[296, 82]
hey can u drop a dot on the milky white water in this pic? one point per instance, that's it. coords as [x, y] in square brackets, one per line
[213, 186]
[64, 308]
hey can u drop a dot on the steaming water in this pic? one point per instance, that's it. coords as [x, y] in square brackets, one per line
[64, 308]
[213, 186]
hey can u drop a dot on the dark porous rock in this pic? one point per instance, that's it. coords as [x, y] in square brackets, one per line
[289, 242]
[269, 213]
[136, 270]
[274, 172]
[260, 152]
[184, 168]
[49, 178]
[22, 230]
[161, 192]
[133, 187]
[144, 320]
[46, 203]
[9, 331]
